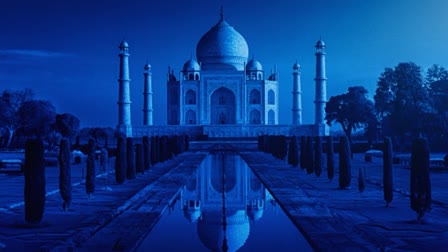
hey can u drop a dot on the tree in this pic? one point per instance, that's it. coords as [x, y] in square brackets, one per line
[387, 171]
[34, 181]
[436, 73]
[401, 97]
[10, 103]
[345, 165]
[98, 133]
[351, 110]
[293, 153]
[36, 118]
[65, 184]
[437, 81]
[420, 180]
[67, 124]
[330, 158]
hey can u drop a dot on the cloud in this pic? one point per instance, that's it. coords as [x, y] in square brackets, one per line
[35, 54]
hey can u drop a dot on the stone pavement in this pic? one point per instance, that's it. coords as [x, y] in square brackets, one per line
[65, 231]
[347, 220]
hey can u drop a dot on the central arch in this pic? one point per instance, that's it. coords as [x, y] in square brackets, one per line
[222, 106]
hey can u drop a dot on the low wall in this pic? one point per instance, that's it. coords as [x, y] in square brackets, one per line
[223, 131]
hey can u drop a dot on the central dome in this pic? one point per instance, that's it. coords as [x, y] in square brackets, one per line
[222, 47]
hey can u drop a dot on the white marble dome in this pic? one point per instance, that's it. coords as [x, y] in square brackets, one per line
[191, 66]
[222, 47]
[254, 65]
[211, 234]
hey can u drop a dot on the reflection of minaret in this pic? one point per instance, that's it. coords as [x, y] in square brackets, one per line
[147, 96]
[296, 96]
[224, 246]
[321, 83]
[124, 96]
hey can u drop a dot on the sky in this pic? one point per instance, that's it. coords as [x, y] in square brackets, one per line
[67, 51]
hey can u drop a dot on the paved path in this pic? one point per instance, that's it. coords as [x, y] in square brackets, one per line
[346, 220]
[64, 231]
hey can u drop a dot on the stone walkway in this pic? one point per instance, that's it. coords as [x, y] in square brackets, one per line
[347, 220]
[66, 231]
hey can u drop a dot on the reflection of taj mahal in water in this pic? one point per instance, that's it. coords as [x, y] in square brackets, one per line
[222, 93]
[239, 191]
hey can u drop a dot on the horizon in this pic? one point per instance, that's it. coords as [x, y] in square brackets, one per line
[62, 49]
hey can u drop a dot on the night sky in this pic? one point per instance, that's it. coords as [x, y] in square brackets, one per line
[67, 51]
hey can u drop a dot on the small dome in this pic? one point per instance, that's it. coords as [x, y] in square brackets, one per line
[320, 44]
[191, 66]
[124, 44]
[192, 214]
[255, 213]
[147, 66]
[222, 46]
[254, 65]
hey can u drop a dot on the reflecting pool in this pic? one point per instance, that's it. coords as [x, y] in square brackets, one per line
[224, 207]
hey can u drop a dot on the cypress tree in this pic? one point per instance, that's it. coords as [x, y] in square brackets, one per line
[361, 179]
[187, 143]
[90, 176]
[146, 152]
[330, 158]
[130, 158]
[162, 148]
[293, 153]
[345, 165]
[387, 171]
[153, 150]
[318, 157]
[310, 157]
[176, 145]
[65, 184]
[157, 145]
[420, 180]
[303, 153]
[139, 159]
[283, 147]
[34, 172]
[260, 143]
[265, 143]
[120, 161]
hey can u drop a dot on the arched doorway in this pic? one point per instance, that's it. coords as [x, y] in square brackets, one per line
[190, 117]
[222, 107]
[254, 117]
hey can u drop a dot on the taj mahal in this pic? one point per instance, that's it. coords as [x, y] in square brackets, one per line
[222, 93]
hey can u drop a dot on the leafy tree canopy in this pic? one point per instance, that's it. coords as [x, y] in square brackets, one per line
[351, 110]
[36, 118]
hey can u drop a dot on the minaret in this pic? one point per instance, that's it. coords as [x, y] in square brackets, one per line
[124, 96]
[321, 83]
[296, 95]
[147, 96]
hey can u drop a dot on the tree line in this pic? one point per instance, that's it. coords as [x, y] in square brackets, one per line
[22, 116]
[408, 103]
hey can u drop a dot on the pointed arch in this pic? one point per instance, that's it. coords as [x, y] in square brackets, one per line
[190, 97]
[222, 106]
[271, 117]
[255, 117]
[190, 117]
[271, 97]
[254, 97]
